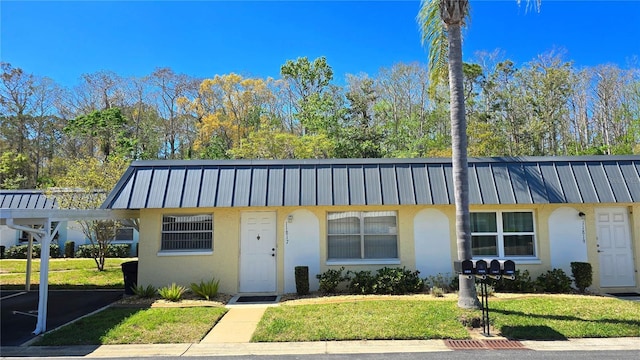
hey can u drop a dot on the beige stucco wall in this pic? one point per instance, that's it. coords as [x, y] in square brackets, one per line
[223, 262]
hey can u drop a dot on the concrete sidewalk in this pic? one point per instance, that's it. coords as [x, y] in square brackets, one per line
[232, 334]
[300, 348]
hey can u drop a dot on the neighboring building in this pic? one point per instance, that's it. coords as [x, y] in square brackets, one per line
[69, 230]
[249, 223]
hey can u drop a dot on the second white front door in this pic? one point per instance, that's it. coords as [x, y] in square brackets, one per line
[258, 252]
[614, 248]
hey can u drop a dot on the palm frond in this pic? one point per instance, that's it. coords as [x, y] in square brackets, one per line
[434, 36]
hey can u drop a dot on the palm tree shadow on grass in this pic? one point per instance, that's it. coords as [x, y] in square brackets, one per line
[540, 332]
[531, 332]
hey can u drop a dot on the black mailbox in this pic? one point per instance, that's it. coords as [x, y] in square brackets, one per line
[464, 267]
[495, 268]
[508, 267]
[480, 267]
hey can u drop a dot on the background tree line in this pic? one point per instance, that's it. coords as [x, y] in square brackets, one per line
[544, 107]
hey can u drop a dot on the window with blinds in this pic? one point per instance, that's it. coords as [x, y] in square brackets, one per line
[362, 235]
[187, 232]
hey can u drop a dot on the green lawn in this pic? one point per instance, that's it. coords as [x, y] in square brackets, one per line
[540, 317]
[63, 273]
[362, 320]
[138, 326]
[553, 318]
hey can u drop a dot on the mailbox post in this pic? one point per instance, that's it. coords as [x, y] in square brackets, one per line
[481, 269]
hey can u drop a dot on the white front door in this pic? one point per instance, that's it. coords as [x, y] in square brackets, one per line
[258, 252]
[614, 248]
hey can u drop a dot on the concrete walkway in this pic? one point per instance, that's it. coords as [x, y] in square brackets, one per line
[236, 326]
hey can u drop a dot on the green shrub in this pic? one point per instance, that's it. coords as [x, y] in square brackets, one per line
[207, 290]
[20, 251]
[301, 274]
[145, 292]
[437, 292]
[554, 281]
[582, 275]
[172, 292]
[398, 281]
[442, 281]
[69, 249]
[521, 284]
[362, 282]
[113, 251]
[490, 290]
[2, 249]
[330, 279]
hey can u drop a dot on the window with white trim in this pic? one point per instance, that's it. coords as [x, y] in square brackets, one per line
[123, 234]
[356, 235]
[503, 234]
[187, 232]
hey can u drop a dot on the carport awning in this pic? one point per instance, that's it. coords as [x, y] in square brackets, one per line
[25, 219]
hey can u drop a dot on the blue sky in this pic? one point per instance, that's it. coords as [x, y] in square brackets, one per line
[64, 39]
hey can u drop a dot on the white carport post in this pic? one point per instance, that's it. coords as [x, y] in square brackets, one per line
[43, 299]
[44, 235]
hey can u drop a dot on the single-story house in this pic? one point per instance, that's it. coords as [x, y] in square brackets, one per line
[68, 231]
[248, 223]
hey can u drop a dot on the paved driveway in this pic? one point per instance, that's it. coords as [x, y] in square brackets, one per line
[18, 310]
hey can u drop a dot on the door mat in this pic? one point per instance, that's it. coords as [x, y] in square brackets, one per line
[624, 294]
[257, 299]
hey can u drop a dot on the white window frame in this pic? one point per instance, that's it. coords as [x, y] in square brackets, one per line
[187, 251]
[362, 260]
[500, 234]
[115, 239]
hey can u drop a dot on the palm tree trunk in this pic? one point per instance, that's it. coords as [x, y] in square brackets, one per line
[467, 297]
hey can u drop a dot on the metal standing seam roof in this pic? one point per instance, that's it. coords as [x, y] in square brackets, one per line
[260, 183]
[26, 199]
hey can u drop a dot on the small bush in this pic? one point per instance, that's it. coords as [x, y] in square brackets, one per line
[437, 291]
[582, 275]
[554, 281]
[442, 281]
[2, 249]
[490, 290]
[69, 249]
[145, 292]
[207, 290]
[362, 282]
[172, 292]
[301, 275]
[20, 251]
[398, 281]
[113, 251]
[330, 279]
[521, 284]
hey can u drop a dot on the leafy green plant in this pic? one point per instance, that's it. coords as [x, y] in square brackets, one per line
[521, 284]
[554, 281]
[145, 292]
[490, 290]
[330, 279]
[69, 249]
[437, 292]
[113, 251]
[582, 275]
[172, 292]
[362, 282]
[20, 251]
[301, 274]
[398, 281]
[207, 290]
[443, 281]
